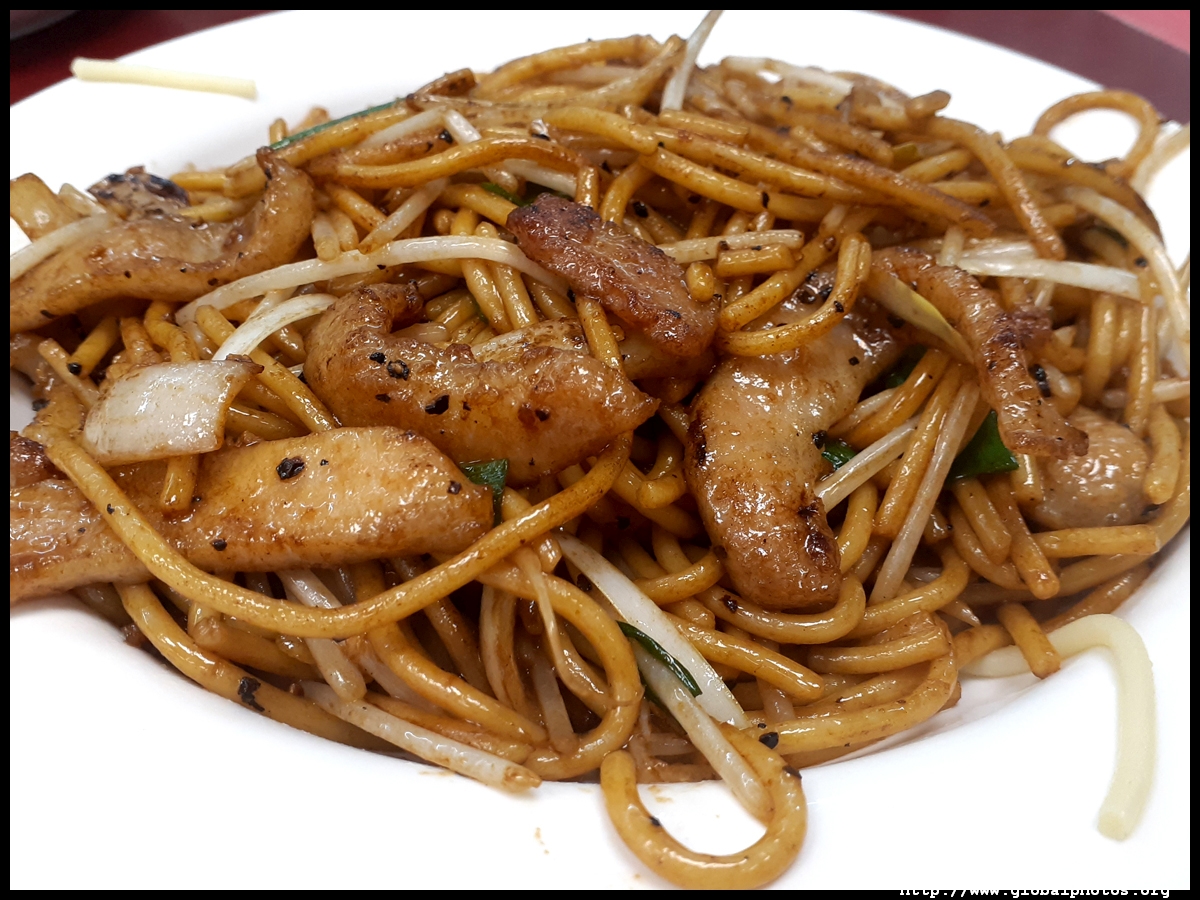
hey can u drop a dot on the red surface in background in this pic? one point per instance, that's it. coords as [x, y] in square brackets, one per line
[1173, 26]
[43, 58]
[1145, 51]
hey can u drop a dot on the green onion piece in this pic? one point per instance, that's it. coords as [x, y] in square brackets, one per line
[985, 454]
[838, 452]
[309, 132]
[533, 191]
[904, 367]
[492, 188]
[493, 473]
[655, 649]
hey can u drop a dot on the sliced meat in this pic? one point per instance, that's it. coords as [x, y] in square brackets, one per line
[138, 194]
[1102, 488]
[636, 281]
[328, 499]
[27, 462]
[1028, 422]
[533, 396]
[753, 458]
[156, 255]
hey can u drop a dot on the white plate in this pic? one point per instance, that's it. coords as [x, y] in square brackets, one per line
[125, 775]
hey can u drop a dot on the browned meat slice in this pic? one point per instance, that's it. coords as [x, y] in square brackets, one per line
[138, 194]
[1102, 488]
[535, 398]
[1028, 422]
[27, 462]
[753, 461]
[326, 499]
[634, 280]
[157, 255]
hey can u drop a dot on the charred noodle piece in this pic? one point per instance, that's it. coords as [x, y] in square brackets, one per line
[753, 457]
[534, 397]
[1028, 422]
[328, 499]
[156, 255]
[634, 280]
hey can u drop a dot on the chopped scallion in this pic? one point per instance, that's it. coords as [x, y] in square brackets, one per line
[838, 452]
[493, 188]
[308, 132]
[493, 473]
[985, 454]
[655, 649]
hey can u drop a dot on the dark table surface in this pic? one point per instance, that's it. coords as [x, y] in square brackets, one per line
[1090, 43]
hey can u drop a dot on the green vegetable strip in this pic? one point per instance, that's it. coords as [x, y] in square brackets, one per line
[838, 452]
[904, 367]
[655, 649]
[985, 454]
[493, 473]
[309, 132]
[493, 188]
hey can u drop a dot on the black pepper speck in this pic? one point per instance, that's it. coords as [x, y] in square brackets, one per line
[289, 468]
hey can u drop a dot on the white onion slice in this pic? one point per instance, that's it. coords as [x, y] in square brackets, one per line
[563, 182]
[257, 328]
[460, 129]
[429, 745]
[1148, 244]
[352, 262]
[302, 586]
[164, 410]
[406, 213]
[705, 735]
[673, 93]
[430, 118]
[49, 244]
[641, 612]
[846, 480]
[1084, 275]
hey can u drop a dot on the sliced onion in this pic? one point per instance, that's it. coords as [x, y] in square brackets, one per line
[705, 735]
[420, 200]
[1148, 244]
[430, 118]
[164, 410]
[676, 89]
[458, 126]
[258, 327]
[49, 244]
[563, 182]
[352, 262]
[429, 745]
[336, 668]
[640, 611]
[1085, 275]
[903, 301]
